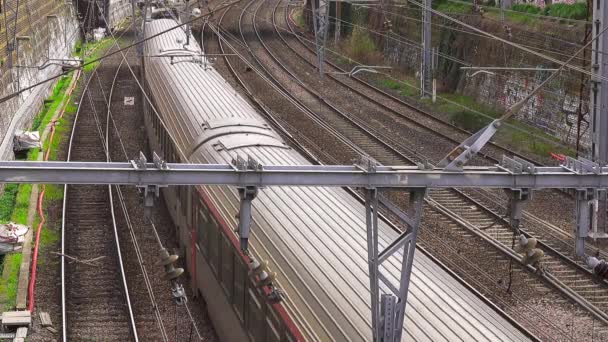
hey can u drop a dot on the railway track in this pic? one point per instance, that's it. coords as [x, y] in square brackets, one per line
[95, 302]
[443, 130]
[387, 151]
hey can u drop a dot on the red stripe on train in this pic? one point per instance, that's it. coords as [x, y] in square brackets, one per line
[280, 309]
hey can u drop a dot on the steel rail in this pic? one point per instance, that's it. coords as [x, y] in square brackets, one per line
[278, 30]
[306, 152]
[65, 218]
[548, 248]
[565, 290]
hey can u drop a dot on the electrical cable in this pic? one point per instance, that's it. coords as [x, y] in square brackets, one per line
[442, 98]
[557, 52]
[518, 46]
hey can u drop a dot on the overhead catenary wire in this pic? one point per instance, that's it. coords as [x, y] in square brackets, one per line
[412, 44]
[399, 15]
[442, 98]
[123, 205]
[516, 45]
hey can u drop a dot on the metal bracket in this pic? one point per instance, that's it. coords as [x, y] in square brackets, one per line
[584, 198]
[581, 166]
[246, 194]
[152, 191]
[517, 199]
[517, 165]
[459, 156]
[160, 163]
[366, 164]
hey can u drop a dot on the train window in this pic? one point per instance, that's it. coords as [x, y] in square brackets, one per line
[183, 200]
[272, 334]
[273, 321]
[227, 262]
[203, 231]
[240, 279]
[213, 246]
[255, 317]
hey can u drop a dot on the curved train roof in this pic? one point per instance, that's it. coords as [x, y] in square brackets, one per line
[314, 238]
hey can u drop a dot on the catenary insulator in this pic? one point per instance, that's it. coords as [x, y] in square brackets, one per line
[526, 244]
[167, 260]
[533, 256]
[527, 247]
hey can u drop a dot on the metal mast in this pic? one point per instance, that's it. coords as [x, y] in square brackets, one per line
[599, 108]
[320, 22]
[426, 72]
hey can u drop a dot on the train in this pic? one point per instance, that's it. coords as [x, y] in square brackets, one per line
[313, 239]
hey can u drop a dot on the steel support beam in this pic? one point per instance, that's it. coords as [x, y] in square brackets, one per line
[388, 309]
[584, 199]
[426, 71]
[296, 175]
[599, 109]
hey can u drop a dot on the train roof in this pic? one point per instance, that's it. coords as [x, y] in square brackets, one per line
[314, 238]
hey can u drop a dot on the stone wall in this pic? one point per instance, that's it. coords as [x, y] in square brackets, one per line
[45, 30]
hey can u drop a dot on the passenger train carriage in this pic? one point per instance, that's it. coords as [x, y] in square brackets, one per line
[313, 238]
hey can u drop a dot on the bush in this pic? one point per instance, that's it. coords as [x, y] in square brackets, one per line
[361, 44]
[568, 11]
[526, 8]
[574, 11]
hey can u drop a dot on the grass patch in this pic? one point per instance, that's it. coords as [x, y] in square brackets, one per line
[98, 49]
[403, 88]
[452, 7]
[8, 287]
[15, 201]
[22, 204]
[361, 45]
[525, 14]
[298, 18]
[51, 104]
[464, 112]
[7, 202]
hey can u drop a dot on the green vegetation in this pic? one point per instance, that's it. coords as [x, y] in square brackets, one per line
[22, 204]
[96, 50]
[576, 11]
[452, 7]
[528, 14]
[464, 112]
[51, 104]
[10, 280]
[403, 88]
[298, 17]
[15, 201]
[7, 202]
[361, 46]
